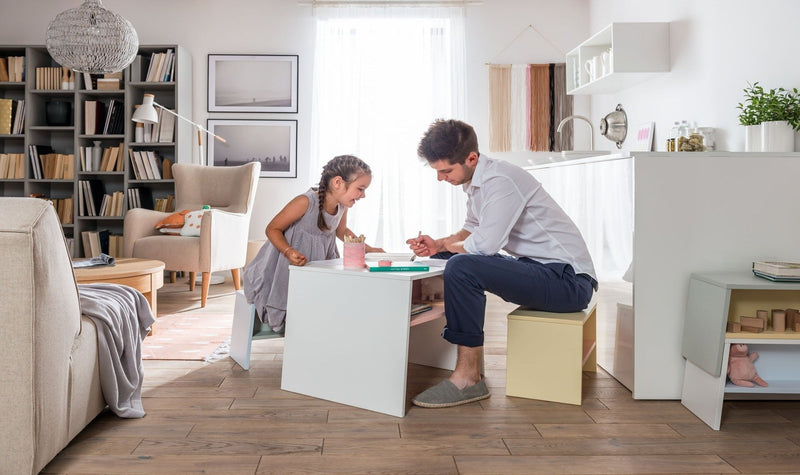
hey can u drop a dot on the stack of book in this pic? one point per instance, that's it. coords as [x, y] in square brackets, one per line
[777, 271]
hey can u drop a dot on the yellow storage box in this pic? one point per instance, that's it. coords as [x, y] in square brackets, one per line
[548, 352]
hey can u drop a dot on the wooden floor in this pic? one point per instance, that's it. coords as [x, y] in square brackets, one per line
[217, 418]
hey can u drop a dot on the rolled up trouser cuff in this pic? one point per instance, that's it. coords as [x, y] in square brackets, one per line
[464, 339]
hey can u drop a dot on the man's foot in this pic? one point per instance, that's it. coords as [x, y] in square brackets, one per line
[447, 394]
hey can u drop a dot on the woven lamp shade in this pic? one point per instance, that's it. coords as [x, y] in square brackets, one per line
[91, 39]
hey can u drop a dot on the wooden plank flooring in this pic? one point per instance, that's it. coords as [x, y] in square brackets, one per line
[216, 418]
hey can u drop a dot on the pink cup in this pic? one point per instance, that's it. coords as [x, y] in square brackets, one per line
[354, 255]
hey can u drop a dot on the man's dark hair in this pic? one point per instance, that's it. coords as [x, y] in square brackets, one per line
[448, 139]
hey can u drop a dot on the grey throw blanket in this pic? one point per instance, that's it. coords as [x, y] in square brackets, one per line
[122, 317]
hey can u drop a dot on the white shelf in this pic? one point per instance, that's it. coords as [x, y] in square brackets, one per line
[775, 387]
[639, 51]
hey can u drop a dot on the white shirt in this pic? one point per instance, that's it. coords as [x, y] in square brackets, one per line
[507, 208]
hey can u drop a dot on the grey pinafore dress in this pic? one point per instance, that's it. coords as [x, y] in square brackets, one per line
[266, 278]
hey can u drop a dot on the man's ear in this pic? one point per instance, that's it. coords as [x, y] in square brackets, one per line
[472, 159]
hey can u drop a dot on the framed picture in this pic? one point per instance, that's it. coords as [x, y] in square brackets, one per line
[644, 137]
[273, 143]
[252, 83]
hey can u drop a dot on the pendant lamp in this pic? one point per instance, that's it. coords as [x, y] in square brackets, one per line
[91, 39]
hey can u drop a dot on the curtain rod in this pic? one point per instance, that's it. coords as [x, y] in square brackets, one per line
[390, 3]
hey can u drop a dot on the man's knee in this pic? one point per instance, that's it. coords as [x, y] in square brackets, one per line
[460, 266]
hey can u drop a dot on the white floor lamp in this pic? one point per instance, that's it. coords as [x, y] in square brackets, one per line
[146, 113]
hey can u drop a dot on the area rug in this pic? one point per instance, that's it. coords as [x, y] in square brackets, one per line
[188, 336]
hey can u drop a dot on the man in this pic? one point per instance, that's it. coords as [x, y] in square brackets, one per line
[546, 266]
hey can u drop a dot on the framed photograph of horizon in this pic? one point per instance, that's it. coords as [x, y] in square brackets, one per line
[273, 143]
[252, 83]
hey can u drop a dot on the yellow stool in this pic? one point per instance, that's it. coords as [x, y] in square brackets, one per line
[548, 352]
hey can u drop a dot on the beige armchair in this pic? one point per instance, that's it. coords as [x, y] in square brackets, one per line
[49, 372]
[222, 244]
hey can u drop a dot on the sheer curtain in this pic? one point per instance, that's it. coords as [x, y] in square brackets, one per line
[381, 76]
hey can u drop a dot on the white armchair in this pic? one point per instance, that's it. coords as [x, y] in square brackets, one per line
[222, 244]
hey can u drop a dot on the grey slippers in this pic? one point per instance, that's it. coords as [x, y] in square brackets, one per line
[446, 394]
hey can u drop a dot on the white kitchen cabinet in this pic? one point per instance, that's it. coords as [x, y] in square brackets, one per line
[701, 211]
[637, 51]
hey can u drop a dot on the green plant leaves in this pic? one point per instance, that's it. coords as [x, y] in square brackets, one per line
[764, 106]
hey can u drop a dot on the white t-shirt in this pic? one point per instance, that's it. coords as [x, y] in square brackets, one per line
[508, 209]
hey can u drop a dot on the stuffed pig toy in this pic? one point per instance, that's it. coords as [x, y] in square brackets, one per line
[741, 370]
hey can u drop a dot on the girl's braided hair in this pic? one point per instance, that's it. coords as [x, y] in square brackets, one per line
[349, 168]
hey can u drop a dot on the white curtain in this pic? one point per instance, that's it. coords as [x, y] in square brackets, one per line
[381, 76]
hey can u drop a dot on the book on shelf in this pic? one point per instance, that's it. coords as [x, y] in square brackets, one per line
[419, 308]
[136, 68]
[92, 192]
[12, 166]
[107, 84]
[6, 106]
[93, 243]
[166, 128]
[18, 117]
[777, 269]
[166, 169]
[3, 69]
[774, 278]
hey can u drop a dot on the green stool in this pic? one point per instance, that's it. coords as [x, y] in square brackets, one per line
[246, 328]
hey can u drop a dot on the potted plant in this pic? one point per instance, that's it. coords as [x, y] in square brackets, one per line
[770, 118]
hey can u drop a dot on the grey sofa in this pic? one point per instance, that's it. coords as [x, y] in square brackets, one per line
[49, 374]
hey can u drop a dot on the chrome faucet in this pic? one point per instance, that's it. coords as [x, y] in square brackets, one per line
[591, 129]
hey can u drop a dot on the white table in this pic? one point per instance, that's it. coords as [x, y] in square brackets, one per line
[349, 337]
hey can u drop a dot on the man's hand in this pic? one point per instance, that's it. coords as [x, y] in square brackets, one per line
[423, 246]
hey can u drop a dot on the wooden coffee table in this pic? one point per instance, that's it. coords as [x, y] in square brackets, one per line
[144, 275]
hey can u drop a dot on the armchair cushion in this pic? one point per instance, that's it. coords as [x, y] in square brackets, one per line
[193, 220]
[173, 221]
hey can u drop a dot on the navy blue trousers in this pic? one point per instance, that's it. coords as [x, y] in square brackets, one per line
[546, 287]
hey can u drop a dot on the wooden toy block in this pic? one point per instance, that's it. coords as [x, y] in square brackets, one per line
[792, 316]
[779, 321]
[753, 322]
[746, 328]
[734, 327]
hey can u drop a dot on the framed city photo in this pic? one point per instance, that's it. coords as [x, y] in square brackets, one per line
[273, 143]
[252, 83]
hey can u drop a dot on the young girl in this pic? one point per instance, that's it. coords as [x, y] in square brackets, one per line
[304, 230]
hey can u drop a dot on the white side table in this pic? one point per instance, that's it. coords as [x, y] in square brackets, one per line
[349, 337]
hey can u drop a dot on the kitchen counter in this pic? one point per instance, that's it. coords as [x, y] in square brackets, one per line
[650, 220]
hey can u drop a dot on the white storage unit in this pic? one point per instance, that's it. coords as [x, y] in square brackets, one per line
[637, 51]
[714, 299]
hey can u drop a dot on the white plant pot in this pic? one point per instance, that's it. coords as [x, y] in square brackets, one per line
[777, 136]
[752, 138]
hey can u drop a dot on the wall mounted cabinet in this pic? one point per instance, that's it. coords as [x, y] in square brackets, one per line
[635, 52]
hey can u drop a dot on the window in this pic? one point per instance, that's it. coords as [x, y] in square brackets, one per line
[381, 76]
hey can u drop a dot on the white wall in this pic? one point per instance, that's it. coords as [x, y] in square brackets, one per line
[716, 48]
[283, 27]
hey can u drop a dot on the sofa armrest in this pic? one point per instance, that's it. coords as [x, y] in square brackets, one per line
[139, 223]
[223, 240]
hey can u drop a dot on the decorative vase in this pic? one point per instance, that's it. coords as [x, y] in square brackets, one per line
[58, 113]
[97, 154]
[752, 138]
[777, 136]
